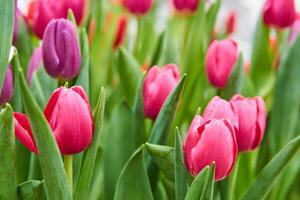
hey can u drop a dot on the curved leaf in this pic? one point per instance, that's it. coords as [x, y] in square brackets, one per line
[31, 190]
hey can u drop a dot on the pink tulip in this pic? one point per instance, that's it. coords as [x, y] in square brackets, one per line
[220, 60]
[137, 7]
[214, 141]
[252, 121]
[7, 87]
[279, 13]
[69, 115]
[158, 84]
[231, 22]
[186, 5]
[23, 131]
[219, 108]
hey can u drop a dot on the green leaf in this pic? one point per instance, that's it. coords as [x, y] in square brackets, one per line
[208, 189]
[31, 190]
[159, 49]
[49, 156]
[83, 77]
[6, 25]
[286, 100]
[211, 16]
[163, 157]
[133, 183]
[17, 99]
[181, 185]
[85, 179]
[128, 67]
[7, 155]
[71, 16]
[266, 179]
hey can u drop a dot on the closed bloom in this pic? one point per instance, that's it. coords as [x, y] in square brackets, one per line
[231, 22]
[186, 5]
[279, 13]
[252, 121]
[7, 87]
[61, 50]
[158, 84]
[23, 131]
[212, 141]
[137, 7]
[220, 60]
[219, 108]
[69, 115]
[121, 32]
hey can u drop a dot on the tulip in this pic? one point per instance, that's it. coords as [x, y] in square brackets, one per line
[61, 50]
[158, 84]
[279, 13]
[41, 12]
[69, 115]
[219, 108]
[7, 87]
[220, 60]
[121, 31]
[186, 5]
[34, 64]
[252, 121]
[137, 7]
[295, 30]
[231, 23]
[23, 131]
[212, 141]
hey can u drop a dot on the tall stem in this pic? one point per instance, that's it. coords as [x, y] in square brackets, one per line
[138, 36]
[68, 163]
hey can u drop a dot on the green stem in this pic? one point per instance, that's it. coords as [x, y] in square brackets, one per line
[138, 37]
[232, 181]
[68, 163]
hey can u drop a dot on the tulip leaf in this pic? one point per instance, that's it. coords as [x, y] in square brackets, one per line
[208, 189]
[211, 16]
[71, 16]
[85, 178]
[133, 183]
[129, 72]
[7, 155]
[163, 157]
[49, 156]
[286, 100]
[17, 99]
[7, 24]
[266, 179]
[31, 190]
[181, 185]
[159, 49]
[83, 77]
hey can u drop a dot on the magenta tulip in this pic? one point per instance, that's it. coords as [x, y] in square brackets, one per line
[219, 108]
[69, 115]
[214, 141]
[7, 87]
[251, 113]
[34, 64]
[221, 58]
[23, 131]
[279, 13]
[186, 5]
[137, 7]
[61, 49]
[158, 84]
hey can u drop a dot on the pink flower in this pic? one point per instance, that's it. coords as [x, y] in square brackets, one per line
[220, 60]
[69, 115]
[231, 22]
[279, 13]
[137, 7]
[158, 84]
[8, 87]
[186, 5]
[251, 113]
[212, 141]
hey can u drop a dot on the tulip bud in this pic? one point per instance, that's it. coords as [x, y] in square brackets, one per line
[220, 60]
[61, 50]
[34, 64]
[231, 23]
[252, 121]
[7, 87]
[295, 30]
[137, 7]
[219, 108]
[121, 32]
[186, 5]
[69, 115]
[158, 84]
[23, 131]
[214, 141]
[279, 13]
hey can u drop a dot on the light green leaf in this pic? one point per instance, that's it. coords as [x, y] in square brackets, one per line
[31, 190]
[133, 183]
[7, 155]
[85, 178]
[159, 49]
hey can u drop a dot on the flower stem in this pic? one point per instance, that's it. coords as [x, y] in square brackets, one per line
[68, 163]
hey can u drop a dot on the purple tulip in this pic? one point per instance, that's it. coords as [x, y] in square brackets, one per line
[61, 49]
[7, 87]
